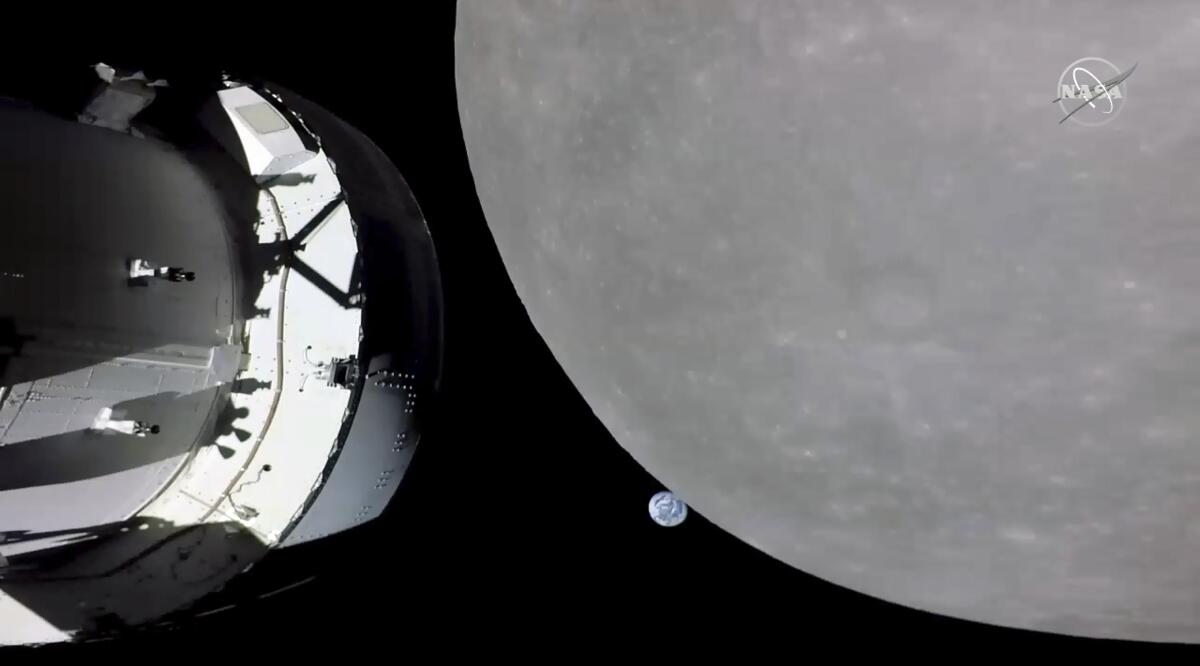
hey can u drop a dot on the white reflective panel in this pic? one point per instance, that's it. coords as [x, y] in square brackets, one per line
[263, 118]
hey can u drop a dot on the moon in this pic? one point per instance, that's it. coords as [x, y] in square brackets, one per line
[835, 273]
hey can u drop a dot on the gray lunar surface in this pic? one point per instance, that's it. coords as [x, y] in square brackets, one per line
[835, 274]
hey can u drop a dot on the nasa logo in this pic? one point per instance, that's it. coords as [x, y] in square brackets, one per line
[1092, 91]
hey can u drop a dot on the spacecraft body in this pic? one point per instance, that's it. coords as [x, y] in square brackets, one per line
[161, 435]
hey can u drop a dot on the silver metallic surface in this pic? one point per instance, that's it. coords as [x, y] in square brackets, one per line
[834, 272]
[402, 333]
[79, 202]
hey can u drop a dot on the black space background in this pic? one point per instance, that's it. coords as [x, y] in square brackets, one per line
[521, 521]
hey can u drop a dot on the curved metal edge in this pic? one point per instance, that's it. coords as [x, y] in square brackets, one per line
[403, 337]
